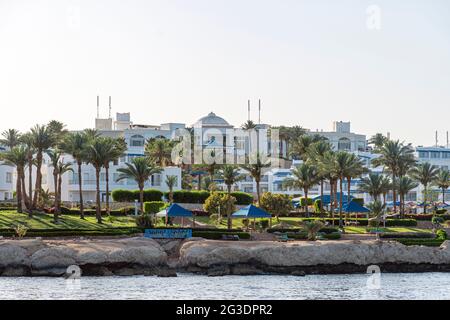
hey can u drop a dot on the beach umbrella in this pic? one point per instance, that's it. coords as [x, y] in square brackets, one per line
[251, 212]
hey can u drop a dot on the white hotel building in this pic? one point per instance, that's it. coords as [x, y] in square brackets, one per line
[7, 185]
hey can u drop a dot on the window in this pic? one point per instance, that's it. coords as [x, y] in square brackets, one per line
[446, 155]
[156, 180]
[445, 168]
[424, 154]
[8, 177]
[137, 141]
[344, 144]
[435, 154]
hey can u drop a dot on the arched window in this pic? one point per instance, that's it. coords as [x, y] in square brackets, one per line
[137, 141]
[344, 144]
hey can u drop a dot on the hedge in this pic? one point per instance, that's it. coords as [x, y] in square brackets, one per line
[217, 235]
[72, 232]
[92, 212]
[121, 195]
[325, 230]
[407, 235]
[427, 217]
[187, 196]
[364, 222]
[421, 242]
[154, 206]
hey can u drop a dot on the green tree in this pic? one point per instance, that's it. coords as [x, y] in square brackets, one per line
[378, 141]
[159, 150]
[11, 138]
[426, 174]
[222, 205]
[404, 186]
[62, 168]
[140, 170]
[443, 182]
[230, 175]
[171, 182]
[17, 157]
[55, 156]
[75, 144]
[304, 177]
[276, 204]
[396, 157]
[255, 168]
[373, 185]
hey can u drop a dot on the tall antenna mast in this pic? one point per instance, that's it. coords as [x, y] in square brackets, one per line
[248, 105]
[259, 111]
[98, 107]
[109, 107]
[436, 138]
[447, 140]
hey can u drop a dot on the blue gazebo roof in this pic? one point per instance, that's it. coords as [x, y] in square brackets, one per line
[250, 212]
[176, 210]
[327, 198]
[354, 207]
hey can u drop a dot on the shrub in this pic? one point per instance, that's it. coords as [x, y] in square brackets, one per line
[312, 228]
[332, 236]
[421, 242]
[20, 230]
[437, 220]
[304, 202]
[242, 198]
[441, 211]
[121, 195]
[317, 205]
[441, 235]
[154, 206]
[264, 223]
[276, 203]
[144, 221]
[407, 235]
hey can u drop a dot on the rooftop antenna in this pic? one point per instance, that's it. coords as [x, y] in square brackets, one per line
[389, 136]
[259, 112]
[447, 140]
[248, 105]
[109, 107]
[98, 107]
[436, 138]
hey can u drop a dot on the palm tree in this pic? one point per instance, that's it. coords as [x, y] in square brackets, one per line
[171, 182]
[11, 138]
[305, 176]
[425, 173]
[404, 185]
[55, 156]
[57, 131]
[249, 125]
[62, 169]
[316, 152]
[75, 145]
[355, 169]
[395, 157]
[230, 175]
[91, 134]
[28, 140]
[443, 182]
[300, 145]
[327, 169]
[115, 150]
[159, 151]
[140, 170]
[97, 153]
[42, 140]
[377, 209]
[378, 140]
[343, 166]
[373, 185]
[386, 186]
[17, 157]
[255, 169]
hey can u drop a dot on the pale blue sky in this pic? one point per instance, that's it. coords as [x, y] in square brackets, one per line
[310, 61]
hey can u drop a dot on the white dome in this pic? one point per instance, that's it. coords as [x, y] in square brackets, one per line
[212, 120]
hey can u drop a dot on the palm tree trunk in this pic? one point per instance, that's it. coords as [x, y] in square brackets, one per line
[30, 184]
[394, 193]
[98, 208]
[141, 197]
[425, 199]
[258, 193]
[331, 201]
[349, 181]
[38, 185]
[229, 188]
[80, 189]
[321, 196]
[55, 182]
[340, 203]
[306, 202]
[199, 186]
[107, 189]
[24, 192]
[57, 199]
[443, 195]
[19, 192]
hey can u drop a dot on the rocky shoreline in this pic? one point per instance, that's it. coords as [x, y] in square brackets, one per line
[165, 258]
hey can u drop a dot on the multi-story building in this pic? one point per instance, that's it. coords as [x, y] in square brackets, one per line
[7, 186]
[342, 139]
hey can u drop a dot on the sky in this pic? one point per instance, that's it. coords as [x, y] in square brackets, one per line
[384, 65]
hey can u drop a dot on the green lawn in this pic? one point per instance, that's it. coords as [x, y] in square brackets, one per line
[360, 230]
[9, 219]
